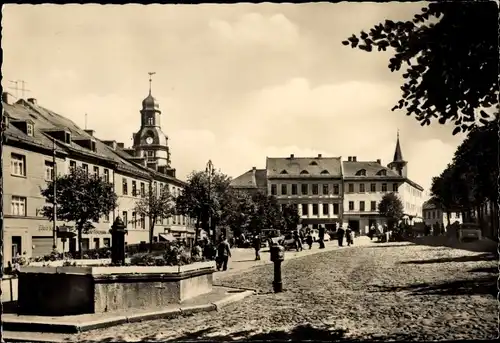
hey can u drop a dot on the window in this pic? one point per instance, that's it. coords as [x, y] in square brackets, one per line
[97, 242]
[183, 220]
[283, 172]
[305, 209]
[174, 220]
[18, 205]
[304, 172]
[294, 189]
[150, 120]
[106, 217]
[93, 146]
[373, 205]
[85, 244]
[315, 209]
[336, 189]
[433, 215]
[96, 171]
[351, 188]
[284, 189]
[85, 168]
[72, 164]
[362, 187]
[134, 188]
[106, 242]
[351, 205]
[335, 208]
[361, 206]
[125, 218]
[29, 130]
[383, 172]
[373, 187]
[124, 186]
[324, 172]
[18, 165]
[274, 190]
[315, 189]
[304, 189]
[143, 192]
[143, 221]
[49, 171]
[325, 189]
[150, 153]
[394, 187]
[106, 175]
[384, 187]
[361, 172]
[313, 163]
[134, 220]
[325, 209]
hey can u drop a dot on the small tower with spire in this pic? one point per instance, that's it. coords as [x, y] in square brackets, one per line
[398, 164]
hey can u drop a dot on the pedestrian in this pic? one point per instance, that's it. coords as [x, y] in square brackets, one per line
[340, 235]
[309, 239]
[296, 238]
[349, 235]
[197, 251]
[223, 253]
[256, 246]
[321, 237]
[372, 231]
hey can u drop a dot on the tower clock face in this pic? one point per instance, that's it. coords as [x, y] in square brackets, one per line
[149, 140]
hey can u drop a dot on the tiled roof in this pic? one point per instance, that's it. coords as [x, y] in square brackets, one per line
[372, 170]
[254, 178]
[304, 167]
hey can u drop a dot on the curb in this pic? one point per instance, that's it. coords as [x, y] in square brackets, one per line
[231, 299]
[67, 328]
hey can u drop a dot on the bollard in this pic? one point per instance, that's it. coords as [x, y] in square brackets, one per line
[118, 231]
[277, 256]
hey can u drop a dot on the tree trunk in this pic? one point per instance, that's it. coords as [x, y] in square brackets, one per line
[80, 229]
[448, 217]
[151, 231]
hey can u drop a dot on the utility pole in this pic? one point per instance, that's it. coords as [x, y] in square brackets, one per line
[54, 210]
[210, 171]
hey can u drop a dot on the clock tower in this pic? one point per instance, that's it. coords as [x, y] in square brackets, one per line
[150, 143]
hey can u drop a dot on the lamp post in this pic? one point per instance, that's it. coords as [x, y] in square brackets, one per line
[210, 172]
[54, 210]
[2, 129]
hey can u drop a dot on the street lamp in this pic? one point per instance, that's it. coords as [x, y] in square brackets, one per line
[210, 172]
[2, 129]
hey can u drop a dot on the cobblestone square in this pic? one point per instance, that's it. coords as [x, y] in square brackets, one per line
[379, 291]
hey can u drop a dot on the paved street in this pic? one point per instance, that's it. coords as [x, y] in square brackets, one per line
[392, 290]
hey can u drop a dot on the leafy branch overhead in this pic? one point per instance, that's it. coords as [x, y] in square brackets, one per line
[451, 52]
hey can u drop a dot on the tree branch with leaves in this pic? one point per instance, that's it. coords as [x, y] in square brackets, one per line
[391, 208]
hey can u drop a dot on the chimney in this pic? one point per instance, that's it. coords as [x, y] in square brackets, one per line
[6, 97]
[349, 158]
[354, 158]
[254, 168]
[292, 155]
[111, 144]
[121, 145]
[90, 132]
[379, 161]
[319, 155]
[32, 101]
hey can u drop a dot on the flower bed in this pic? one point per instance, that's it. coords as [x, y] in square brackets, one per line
[71, 290]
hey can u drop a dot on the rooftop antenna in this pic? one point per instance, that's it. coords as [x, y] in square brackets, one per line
[85, 121]
[23, 89]
[151, 73]
[15, 87]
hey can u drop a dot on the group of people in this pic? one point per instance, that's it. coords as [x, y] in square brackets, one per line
[220, 252]
[346, 233]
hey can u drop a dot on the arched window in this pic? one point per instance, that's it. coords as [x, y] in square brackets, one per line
[313, 163]
[383, 172]
[361, 172]
[284, 172]
[324, 172]
[304, 172]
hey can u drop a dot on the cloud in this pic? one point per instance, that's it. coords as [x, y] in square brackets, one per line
[275, 31]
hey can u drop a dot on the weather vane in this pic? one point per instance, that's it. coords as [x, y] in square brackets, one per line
[151, 73]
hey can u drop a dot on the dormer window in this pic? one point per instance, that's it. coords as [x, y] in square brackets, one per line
[284, 172]
[93, 146]
[67, 138]
[325, 172]
[29, 129]
[304, 172]
[383, 172]
[361, 172]
[313, 163]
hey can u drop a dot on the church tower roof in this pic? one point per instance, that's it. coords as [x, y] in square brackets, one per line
[398, 155]
[150, 103]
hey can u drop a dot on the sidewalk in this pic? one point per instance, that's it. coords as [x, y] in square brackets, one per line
[483, 245]
[244, 259]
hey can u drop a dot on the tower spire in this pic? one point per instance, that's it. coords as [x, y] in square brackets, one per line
[151, 73]
[398, 155]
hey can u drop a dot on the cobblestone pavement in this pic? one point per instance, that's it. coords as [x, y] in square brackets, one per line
[378, 291]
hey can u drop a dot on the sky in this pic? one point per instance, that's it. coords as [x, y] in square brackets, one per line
[235, 83]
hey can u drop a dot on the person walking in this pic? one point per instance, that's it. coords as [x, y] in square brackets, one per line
[309, 238]
[321, 236]
[372, 232]
[223, 254]
[296, 238]
[256, 246]
[340, 235]
[349, 236]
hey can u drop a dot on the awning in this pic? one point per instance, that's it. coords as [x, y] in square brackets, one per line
[167, 237]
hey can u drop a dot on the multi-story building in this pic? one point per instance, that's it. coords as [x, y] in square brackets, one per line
[37, 140]
[366, 182]
[433, 214]
[328, 190]
[314, 184]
